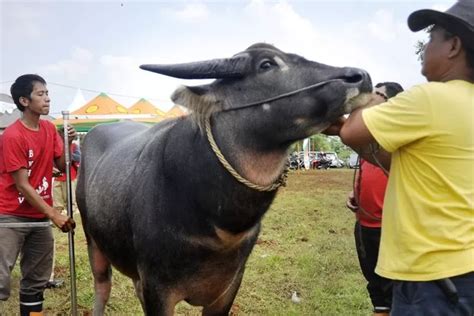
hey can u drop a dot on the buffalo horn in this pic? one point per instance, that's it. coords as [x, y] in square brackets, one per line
[209, 69]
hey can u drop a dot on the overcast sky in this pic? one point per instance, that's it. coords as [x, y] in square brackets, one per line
[98, 45]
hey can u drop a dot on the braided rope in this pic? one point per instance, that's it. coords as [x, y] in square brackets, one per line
[281, 181]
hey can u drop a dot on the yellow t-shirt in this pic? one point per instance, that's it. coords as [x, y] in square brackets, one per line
[428, 219]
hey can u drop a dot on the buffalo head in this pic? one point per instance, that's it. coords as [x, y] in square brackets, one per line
[263, 73]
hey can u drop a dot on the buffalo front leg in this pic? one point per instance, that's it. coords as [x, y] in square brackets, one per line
[155, 299]
[223, 304]
[102, 272]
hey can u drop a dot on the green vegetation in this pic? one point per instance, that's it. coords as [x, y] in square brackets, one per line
[321, 142]
[306, 246]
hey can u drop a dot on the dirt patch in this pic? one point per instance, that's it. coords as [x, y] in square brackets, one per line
[266, 243]
[234, 311]
[61, 270]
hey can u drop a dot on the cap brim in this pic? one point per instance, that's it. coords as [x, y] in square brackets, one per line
[421, 19]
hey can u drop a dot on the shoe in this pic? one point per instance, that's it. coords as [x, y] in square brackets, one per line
[53, 284]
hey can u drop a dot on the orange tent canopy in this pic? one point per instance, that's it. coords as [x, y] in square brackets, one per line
[101, 105]
[103, 109]
[143, 106]
[175, 111]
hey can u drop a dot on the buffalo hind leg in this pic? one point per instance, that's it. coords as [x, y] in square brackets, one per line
[102, 272]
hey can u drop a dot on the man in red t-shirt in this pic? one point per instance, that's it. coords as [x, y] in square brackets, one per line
[29, 149]
[370, 186]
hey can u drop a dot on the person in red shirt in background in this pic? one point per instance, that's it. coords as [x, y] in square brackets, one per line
[60, 197]
[367, 203]
[29, 148]
[59, 183]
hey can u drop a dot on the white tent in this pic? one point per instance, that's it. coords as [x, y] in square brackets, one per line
[6, 104]
[7, 107]
[78, 101]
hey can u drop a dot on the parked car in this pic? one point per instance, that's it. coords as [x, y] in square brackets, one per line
[327, 159]
[336, 162]
[295, 161]
[353, 161]
[317, 160]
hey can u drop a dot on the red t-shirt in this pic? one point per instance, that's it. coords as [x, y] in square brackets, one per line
[35, 151]
[371, 191]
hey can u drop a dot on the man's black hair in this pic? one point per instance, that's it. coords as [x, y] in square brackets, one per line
[392, 88]
[22, 87]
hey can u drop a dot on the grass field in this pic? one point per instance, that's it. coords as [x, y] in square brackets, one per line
[306, 246]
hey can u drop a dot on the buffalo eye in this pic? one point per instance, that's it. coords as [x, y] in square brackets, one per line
[266, 65]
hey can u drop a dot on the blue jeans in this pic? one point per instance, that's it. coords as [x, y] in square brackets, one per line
[412, 298]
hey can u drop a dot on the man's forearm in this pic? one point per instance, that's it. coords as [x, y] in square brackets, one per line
[35, 200]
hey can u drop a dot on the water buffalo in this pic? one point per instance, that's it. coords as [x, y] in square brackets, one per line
[179, 216]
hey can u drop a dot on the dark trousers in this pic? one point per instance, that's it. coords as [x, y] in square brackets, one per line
[35, 244]
[380, 289]
[412, 298]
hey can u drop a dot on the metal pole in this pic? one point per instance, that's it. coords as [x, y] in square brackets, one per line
[72, 265]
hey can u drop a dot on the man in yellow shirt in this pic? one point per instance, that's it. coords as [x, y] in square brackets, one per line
[426, 135]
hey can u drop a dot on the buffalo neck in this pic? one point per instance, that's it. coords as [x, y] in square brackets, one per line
[256, 159]
[202, 190]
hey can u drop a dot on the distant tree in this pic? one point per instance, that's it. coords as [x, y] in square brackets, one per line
[321, 142]
[419, 46]
[342, 150]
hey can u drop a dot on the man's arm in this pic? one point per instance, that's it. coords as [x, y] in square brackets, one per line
[23, 186]
[355, 134]
[351, 202]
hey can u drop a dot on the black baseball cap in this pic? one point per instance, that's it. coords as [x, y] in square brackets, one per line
[458, 20]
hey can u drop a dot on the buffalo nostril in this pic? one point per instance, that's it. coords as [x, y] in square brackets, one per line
[354, 79]
[355, 76]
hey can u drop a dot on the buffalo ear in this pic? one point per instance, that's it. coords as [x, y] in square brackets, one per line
[201, 100]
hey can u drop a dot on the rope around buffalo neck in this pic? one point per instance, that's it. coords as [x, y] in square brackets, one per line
[281, 181]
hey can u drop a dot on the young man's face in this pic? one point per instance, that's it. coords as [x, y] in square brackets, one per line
[435, 55]
[39, 100]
